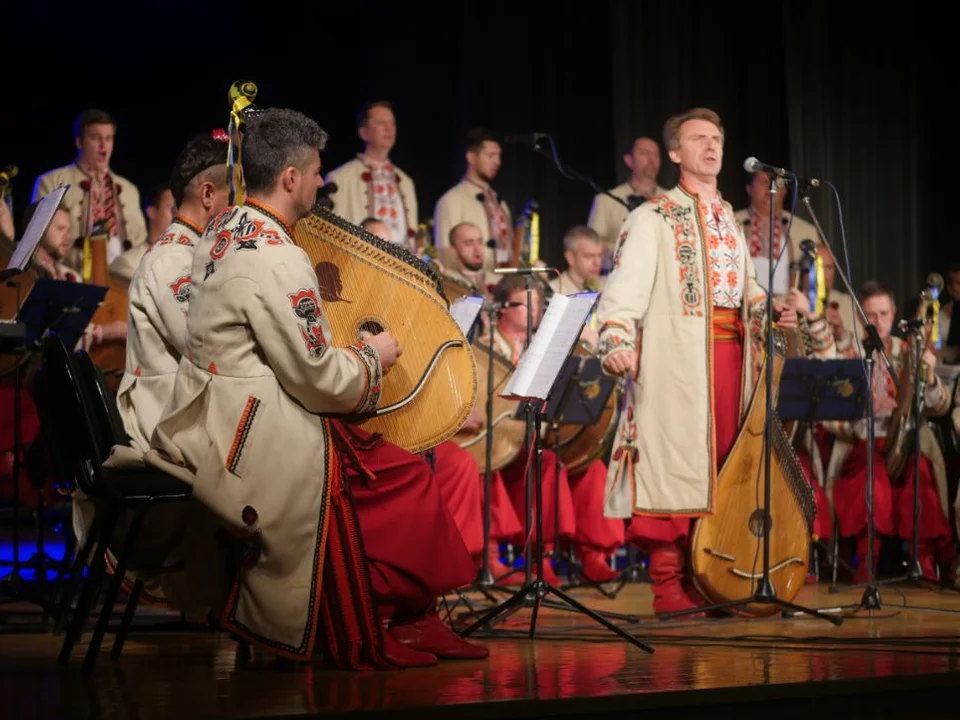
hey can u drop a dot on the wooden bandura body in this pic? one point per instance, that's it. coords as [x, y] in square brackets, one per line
[369, 284]
[727, 547]
[508, 432]
[10, 292]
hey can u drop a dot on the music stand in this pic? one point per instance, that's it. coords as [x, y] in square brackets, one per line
[534, 591]
[41, 213]
[582, 401]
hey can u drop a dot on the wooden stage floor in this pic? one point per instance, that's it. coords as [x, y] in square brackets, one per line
[897, 663]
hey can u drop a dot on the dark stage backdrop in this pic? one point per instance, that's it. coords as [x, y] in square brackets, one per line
[840, 97]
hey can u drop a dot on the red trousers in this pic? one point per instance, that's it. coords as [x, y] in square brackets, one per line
[414, 548]
[593, 530]
[823, 524]
[645, 531]
[556, 496]
[892, 506]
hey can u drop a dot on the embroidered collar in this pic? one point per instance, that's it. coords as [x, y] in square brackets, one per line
[270, 213]
[187, 223]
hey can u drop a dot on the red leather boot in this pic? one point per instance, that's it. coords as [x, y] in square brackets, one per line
[667, 563]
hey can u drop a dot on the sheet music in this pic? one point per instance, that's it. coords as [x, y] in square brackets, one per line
[558, 333]
[465, 311]
[34, 231]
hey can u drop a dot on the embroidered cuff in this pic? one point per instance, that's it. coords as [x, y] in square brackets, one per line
[370, 360]
[614, 336]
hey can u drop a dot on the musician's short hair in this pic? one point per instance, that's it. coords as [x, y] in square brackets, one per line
[873, 288]
[364, 113]
[453, 230]
[203, 159]
[276, 139]
[671, 128]
[477, 136]
[577, 232]
[91, 116]
[509, 284]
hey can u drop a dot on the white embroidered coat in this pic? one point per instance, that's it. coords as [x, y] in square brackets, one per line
[657, 285]
[607, 216]
[461, 204]
[353, 199]
[245, 422]
[132, 227]
[156, 329]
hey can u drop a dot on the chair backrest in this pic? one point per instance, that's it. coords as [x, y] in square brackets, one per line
[73, 433]
[103, 405]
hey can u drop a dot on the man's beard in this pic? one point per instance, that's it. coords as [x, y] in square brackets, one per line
[471, 266]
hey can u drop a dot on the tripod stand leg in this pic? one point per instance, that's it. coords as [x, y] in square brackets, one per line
[598, 618]
[510, 605]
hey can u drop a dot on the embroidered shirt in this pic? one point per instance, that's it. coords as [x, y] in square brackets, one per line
[386, 202]
[725, 255]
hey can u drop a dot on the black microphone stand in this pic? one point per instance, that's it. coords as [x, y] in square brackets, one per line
[870, 599]
[533, 592]
[764, 594]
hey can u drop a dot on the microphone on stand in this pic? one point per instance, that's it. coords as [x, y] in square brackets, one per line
[752, 165]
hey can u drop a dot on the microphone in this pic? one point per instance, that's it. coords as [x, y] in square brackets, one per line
[808, 246]
[752, 165]
[532, 138]
[328, 189]
[522, 270]
[807, 183]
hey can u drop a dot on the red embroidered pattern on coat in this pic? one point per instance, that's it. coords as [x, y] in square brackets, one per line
[384, 200]
[724, 255]
[686, 253]
[760, 237]
[306, 306]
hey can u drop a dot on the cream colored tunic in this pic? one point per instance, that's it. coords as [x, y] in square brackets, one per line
[783, 274]
[607, 216]
[658, 285]
[245, 421]
[156, 330]
[461, 204]
[354, 198]
[133, 225]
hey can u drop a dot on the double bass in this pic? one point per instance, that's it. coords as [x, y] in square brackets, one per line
[109, 355]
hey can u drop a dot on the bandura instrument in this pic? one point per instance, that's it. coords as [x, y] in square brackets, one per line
[10, 292]
[726, 547]
[509, 433]
[371, 285]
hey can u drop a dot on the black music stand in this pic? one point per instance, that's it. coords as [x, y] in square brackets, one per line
[51, 307]
[812, 391]
[534, 591]
[582, 400]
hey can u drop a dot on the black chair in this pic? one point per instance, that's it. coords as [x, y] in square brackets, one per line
[79, 429]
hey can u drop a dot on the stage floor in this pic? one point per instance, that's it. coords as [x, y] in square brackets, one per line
[573, 668]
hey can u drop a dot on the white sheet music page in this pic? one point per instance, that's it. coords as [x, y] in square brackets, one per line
[42, 215]
[554, 340]
[465, 311]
